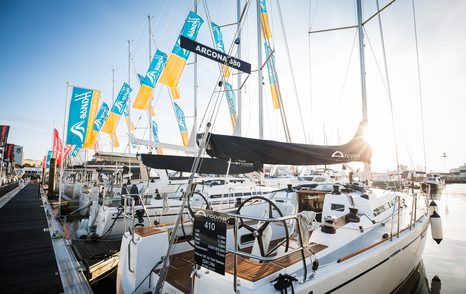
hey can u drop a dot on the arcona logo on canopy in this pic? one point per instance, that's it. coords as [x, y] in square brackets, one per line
[339, 154]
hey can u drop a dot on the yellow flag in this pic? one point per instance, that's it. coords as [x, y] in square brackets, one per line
[116, 144]
[143, 98]
[175, 93]
[275, 92]
[174, 68]
[89, 141]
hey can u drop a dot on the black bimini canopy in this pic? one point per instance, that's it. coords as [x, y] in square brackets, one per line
[273, 152]
[207, 166]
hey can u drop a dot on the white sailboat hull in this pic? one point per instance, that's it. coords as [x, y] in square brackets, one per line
[380, 269]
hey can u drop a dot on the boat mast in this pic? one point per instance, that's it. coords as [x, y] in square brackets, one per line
[149, 109]
[237, 130]
[363, 76]
[362, 61]
[128, 104]
[259, 72]
[195, 88]
[113, 98]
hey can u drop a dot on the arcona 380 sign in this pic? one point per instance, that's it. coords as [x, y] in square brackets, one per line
[215, 55]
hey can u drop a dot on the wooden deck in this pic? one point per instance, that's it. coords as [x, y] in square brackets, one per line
[252, 270]
[181, 266]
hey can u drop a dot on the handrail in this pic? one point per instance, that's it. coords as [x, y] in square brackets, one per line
[129, 258]
[236, 251]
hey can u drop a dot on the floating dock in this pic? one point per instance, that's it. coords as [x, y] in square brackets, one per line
[27, 259]
[34, 256]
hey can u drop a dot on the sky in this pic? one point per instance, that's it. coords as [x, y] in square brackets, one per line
[46, 44]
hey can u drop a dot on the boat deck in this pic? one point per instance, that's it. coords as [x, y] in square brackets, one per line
[182, 264]
[99, 257]
[27, 258]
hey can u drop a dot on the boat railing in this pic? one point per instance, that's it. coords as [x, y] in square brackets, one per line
[130, 203]
[264, 259]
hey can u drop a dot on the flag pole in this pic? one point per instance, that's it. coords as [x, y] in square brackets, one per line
[61, 186]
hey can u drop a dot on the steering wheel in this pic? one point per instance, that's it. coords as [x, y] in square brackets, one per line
[191, 212]
[191, 215]
[258, 232]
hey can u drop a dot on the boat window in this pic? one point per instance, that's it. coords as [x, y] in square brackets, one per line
[337, 207]
[214, 182]
[136, 172]
[382, 208]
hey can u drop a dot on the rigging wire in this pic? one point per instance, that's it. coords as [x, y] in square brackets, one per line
[350, 57]
[419, 85]
[310, 24]
[217, 95]
[389, 92]
[291, 69]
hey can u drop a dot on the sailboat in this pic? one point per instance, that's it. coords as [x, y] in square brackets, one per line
[352, 240]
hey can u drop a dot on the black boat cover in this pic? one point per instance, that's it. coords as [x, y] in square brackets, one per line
[273, 152]
[207, 166]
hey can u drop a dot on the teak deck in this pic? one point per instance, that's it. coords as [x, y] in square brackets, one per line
[254, 271]
[181, 266]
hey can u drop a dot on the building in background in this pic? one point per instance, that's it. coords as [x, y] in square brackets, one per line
[18, 155]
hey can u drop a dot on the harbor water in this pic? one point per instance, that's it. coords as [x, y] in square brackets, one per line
[447, 260]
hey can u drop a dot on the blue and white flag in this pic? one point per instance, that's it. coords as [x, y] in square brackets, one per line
[49, 156]
[155, 131]
[83, 108]
[117, 110]
[101, 117]
[181, 123]
[231, 99]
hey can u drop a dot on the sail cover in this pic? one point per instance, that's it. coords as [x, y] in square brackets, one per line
[273, 152]
[207, 166]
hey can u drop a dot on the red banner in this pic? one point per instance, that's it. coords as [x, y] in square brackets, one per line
[66, 151]
[56, 138]
[8, 152]
[4, 130]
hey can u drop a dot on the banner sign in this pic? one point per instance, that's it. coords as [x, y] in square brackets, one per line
[8, 152]
[56, 137]
[66, 151]
[155, 131]
[155, 69]
[117, 110]
[4, 130]
[210, 231]
[214, 55]
[231, 99]
[83, 102]
[218, 37]
[75, 151]
[101, 117]
[176, 63]
[181, 123]
[49, 156]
